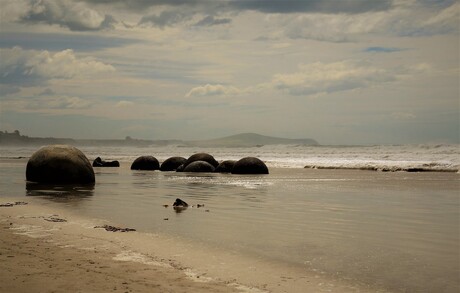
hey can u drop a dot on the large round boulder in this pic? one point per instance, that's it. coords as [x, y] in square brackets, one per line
[199, 166]
[171, 164]
[225, 166]
[250, 165]
[145, 163]
[202, 157]
[59, 164]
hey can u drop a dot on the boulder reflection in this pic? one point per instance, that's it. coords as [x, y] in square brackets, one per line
[59, 191]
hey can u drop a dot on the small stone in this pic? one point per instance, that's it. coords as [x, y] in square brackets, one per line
[180, 203]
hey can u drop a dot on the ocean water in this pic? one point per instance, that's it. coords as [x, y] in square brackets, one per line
[395, 231]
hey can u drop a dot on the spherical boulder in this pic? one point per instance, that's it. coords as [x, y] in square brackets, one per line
[250, 165]
[202, 157]
[199, 166]
[225, 166]
[145, 163]
[171, 164]
[59, 164]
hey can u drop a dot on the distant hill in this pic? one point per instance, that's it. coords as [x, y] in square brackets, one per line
[239, 140]
[249, 140]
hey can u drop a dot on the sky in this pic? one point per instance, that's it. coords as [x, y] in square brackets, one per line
[338, 71]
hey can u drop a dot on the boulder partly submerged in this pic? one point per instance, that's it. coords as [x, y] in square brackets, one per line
[250, 165]
[59, 164]
[201, 157]
[225, 166]
[171, 164]
[199, 166]
[98, 162]
[145, 163]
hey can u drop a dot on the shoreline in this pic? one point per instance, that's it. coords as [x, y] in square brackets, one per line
[52, 249]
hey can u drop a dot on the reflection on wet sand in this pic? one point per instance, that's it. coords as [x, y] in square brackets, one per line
[56, 192]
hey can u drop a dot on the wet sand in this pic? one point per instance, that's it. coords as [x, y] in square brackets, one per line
[31, 260]
[53, 251]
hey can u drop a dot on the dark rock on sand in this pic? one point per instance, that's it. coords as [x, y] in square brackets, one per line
[59, 164]
[202, 157]
[145, 163]
[250, 165]
[199, 166]
[9, 204]
[180, 168]
[115, 229]
[180, 203]
[98, 162]
[171, 164]
[225, 166]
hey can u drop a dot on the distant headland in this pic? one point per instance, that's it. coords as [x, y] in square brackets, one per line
[238, 140]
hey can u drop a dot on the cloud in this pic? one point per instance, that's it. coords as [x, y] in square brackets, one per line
[178, 15]
[6, 89]
[82, 42]
[30, 67]
[166, 18]
[175, 12]
[311, 6]
[271, 6]
[58, 102]
[382, 49]
[47, 103]
[213, 90]
[319, 77]
[411, 19]
[445, 21]
[211, 20]
[123, 104]
[403, 116]
[73, 15]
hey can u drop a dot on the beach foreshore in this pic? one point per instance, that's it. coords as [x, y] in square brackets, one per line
[51, 250]
[34, 258]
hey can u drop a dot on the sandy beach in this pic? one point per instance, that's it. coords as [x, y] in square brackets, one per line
[34, 258]
[54, 251]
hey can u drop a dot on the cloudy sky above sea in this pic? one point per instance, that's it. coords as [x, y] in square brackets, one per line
[338, 71]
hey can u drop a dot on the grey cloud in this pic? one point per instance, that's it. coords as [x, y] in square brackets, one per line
[319, 78]
[211, 20]
[47, 92]
[165, 18]
[418, 21]
[265, 6]
[74, 16]
[30, 67]
[58, 102]
[6, 89]
[311, 6]
[142, 5]
[59, 42]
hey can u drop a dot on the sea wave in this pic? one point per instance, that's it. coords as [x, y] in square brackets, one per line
[411, 158]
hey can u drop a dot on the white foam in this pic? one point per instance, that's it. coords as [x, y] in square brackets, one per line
[197, 277]
[139, 258]
[33, 231]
